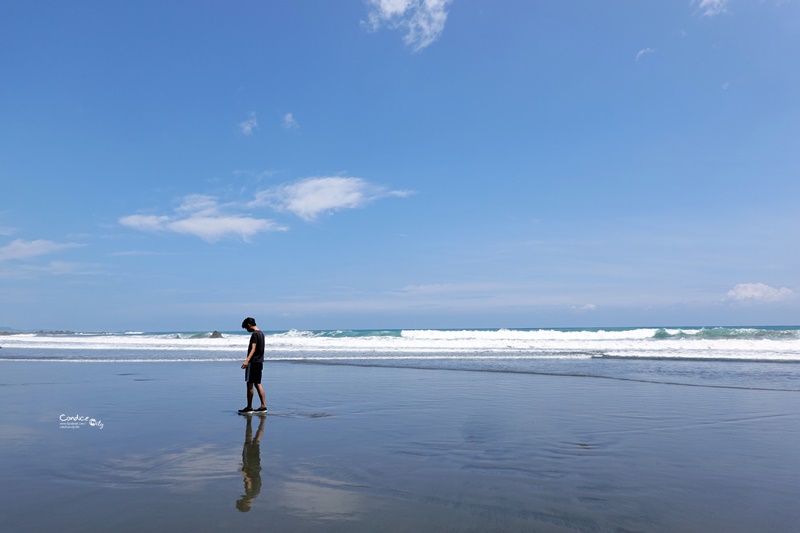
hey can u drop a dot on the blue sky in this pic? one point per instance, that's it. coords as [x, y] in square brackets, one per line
[399, 164]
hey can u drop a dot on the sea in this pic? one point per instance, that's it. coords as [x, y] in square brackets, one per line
[764, 358]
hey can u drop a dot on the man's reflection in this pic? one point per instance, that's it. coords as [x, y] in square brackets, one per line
[251, 464]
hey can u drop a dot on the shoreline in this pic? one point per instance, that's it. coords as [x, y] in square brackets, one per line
[348, 448]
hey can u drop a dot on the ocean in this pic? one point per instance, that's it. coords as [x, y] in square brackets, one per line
[743, 357]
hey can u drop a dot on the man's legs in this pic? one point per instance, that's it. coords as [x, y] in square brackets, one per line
[250, 395]
[261, 396]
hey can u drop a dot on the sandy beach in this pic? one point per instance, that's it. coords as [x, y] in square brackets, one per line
[143, 446]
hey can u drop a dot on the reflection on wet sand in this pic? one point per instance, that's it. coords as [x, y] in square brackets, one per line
[251, 464]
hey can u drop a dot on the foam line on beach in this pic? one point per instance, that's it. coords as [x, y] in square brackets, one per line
[555, 374]
[452, 364]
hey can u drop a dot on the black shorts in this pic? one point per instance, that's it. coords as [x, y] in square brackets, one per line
[252, 374]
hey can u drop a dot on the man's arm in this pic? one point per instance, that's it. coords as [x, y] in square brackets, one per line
[249, 355]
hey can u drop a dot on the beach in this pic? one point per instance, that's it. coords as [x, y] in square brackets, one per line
[141, 446]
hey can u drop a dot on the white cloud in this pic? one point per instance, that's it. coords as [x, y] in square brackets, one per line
[145, 222]
[710, 8]
[20, 249]
[134, 253]
[214, 228]
[289, 122]
[643, 52]
[423, 20]
[199, 204]
[311, 197]
[59, 268]
[759, 292]
[248, 126]
[202, 216]
[452, 288]
[385, 9]
[584, 308]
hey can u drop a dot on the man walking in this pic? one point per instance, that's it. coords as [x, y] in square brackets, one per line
[253, 366]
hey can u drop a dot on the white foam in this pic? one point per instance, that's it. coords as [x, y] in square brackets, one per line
[464, 343]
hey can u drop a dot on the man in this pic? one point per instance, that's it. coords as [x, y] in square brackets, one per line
[254, 365]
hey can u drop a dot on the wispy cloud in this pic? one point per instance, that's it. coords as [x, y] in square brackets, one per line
[135, 253]
[289, 122]
[199, 205]
[710, 8]
[202, 216]
[422, 20]
[462, 289]
[643, 52]
[312, 197]
[146, 222]
[759, 292]
[212, 229]
[60, 268]
[21, 249]
[248, 126]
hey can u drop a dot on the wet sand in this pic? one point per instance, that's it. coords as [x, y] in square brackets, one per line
[384, 449]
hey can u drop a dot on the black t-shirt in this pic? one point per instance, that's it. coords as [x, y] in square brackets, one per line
[257, 338]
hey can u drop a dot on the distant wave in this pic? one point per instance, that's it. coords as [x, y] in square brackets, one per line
[339, 333]
[713, 343]
[731, 333]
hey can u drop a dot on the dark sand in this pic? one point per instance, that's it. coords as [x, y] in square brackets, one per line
[382, 449]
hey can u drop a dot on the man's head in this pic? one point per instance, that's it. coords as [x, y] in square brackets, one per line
[248, 323]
